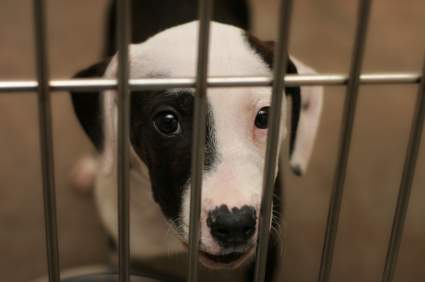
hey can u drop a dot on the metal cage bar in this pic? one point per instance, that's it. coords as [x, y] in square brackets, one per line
[406, 183]
[46, 140]
[279, 71]
[346, 133]
[200, 103]
[166, 83]
[123, 165]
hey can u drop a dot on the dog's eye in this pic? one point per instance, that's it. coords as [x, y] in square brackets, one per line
[167, 123]
[262, 118]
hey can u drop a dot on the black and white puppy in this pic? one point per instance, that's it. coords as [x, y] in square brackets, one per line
[161, 132]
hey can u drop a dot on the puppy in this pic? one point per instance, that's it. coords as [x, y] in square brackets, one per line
[161, 135]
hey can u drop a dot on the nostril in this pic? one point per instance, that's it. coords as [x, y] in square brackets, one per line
[249, 231]
[222, 232]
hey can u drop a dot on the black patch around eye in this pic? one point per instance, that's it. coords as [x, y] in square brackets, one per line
[261, 120]
[167, 156]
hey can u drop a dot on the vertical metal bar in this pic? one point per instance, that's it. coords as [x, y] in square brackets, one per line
[346, 133]
[205, 12]
[46, 140]
[279, 72]
[123, 31]
[406, 183]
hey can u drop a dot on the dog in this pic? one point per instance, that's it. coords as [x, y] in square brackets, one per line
[164, 46]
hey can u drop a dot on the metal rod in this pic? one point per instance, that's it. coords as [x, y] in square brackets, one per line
[406, 183]
[167, 83]
[346, 133]
[279, 71]
[205, 12]
[123, 31]
[46, 140]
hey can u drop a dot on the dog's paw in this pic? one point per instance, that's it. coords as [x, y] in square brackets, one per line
[83, 174]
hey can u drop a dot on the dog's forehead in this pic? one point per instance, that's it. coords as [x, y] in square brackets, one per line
[173, 53]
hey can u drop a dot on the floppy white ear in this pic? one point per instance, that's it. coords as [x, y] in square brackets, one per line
[110, 118]
[310, 113]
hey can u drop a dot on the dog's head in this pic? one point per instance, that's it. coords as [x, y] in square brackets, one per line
[161, 132]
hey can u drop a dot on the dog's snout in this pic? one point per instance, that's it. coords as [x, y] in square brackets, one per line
[232, 227]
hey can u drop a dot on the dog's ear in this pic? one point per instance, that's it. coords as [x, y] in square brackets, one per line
[306, 114]
[306, 107]
[87, 105]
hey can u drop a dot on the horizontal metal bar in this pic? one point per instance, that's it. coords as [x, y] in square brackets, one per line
[167, 83]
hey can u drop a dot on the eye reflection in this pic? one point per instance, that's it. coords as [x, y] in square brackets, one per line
[261, 120]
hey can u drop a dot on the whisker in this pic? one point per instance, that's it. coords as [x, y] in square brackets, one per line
[169, 229]
[276, 229]
[278, 237]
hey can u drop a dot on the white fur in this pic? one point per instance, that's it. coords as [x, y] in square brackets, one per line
[236, 179]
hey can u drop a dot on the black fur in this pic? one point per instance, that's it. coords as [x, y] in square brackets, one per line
[87, 105]
[152, 16]
[168, 158]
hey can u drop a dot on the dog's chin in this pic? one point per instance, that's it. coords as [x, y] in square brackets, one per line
[228, 261]
[223, 261]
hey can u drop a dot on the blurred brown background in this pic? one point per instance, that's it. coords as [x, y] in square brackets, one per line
[322, 35]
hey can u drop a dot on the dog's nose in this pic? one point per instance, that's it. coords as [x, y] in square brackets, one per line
[232, 227]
